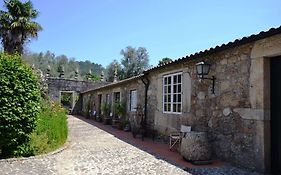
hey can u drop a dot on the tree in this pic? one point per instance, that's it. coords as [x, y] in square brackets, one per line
[48, 59]
[164, 61]
[17, 25]
[110, 69]
[134, 61]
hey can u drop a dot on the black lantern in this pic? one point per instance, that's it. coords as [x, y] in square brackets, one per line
[203, 69]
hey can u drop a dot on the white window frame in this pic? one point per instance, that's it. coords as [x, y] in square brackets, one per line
[133, 104]
[172, 93]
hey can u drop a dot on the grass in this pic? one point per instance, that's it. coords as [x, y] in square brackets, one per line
[51, 131]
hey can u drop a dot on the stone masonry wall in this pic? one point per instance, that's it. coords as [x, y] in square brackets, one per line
[236, 117]
[232, 137]
[124, 88]
[56, 85]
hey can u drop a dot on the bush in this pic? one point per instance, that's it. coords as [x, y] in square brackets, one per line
[51, 131]
[19, 105]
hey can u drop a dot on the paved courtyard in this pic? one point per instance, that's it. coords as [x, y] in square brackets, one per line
[92, 151]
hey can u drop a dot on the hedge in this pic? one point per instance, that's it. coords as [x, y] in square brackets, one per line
[19, 105]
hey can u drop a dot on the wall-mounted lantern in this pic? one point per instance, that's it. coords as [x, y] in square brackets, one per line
[203, 69]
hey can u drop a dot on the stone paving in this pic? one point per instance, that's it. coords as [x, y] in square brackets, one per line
[94, 151]
[91, 151]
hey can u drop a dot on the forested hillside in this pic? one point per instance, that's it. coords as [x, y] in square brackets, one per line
[42, 60]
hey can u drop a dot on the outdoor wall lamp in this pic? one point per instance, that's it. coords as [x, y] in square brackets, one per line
[202, 69]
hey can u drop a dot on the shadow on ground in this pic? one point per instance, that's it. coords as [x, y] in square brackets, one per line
[156, 148]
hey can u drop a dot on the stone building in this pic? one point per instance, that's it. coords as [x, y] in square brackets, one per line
[130, 91]
[239, 113]
[58, 86]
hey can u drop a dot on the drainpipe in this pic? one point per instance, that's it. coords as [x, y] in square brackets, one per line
[146, 82]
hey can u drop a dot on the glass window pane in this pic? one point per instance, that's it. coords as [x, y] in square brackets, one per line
[179, 88]
[169, 98]
[179, 78]
[168, 107]
[175, 79]
[179, 98]
[169, 89]
[174, 108]
[169, 80]
[165, 107]
[175, 89]
[174, 98]
[133, 100]
[165, 80]
[179, 108]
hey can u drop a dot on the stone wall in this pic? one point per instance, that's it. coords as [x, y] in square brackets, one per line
[231, 136]
[124, 87]
[165, 122]
[236, 117]
[58, 85]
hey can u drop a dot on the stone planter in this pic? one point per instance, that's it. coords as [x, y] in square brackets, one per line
[195, 147]
[106, 120]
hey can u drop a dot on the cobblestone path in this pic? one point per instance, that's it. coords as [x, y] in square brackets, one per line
[92, 151]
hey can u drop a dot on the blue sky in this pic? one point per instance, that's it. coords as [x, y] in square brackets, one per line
[97, 30]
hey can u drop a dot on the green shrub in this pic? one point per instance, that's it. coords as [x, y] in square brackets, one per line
[19, 105]
[51, 131]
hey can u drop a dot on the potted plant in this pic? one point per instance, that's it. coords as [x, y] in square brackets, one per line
[127, 126]
[106, 113]
[98, 118]
[120, 112]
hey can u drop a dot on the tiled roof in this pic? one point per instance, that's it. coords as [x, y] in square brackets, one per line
[114, 83]
[237, 42]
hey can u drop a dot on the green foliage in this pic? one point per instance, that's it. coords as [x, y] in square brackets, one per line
[66, 99]
[164, 61]
[93, 77]
[42, 60]
[17, 25]
[51, 131]
[119, 107]
[134, 61]
[19, 97]
[85, 66]
[105, 109]
[110, 69]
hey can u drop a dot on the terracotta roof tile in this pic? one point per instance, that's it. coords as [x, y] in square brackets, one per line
[236, 42]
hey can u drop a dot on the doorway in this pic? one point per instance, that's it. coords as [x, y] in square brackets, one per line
[275, 107]
[68, 100]
[99, 103]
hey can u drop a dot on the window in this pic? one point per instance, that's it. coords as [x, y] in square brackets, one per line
[172, 93]
[107, 99]
[99, 103]
[133, 100]
[117, 97]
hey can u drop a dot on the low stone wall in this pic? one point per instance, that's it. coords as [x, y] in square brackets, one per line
[56, 85]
